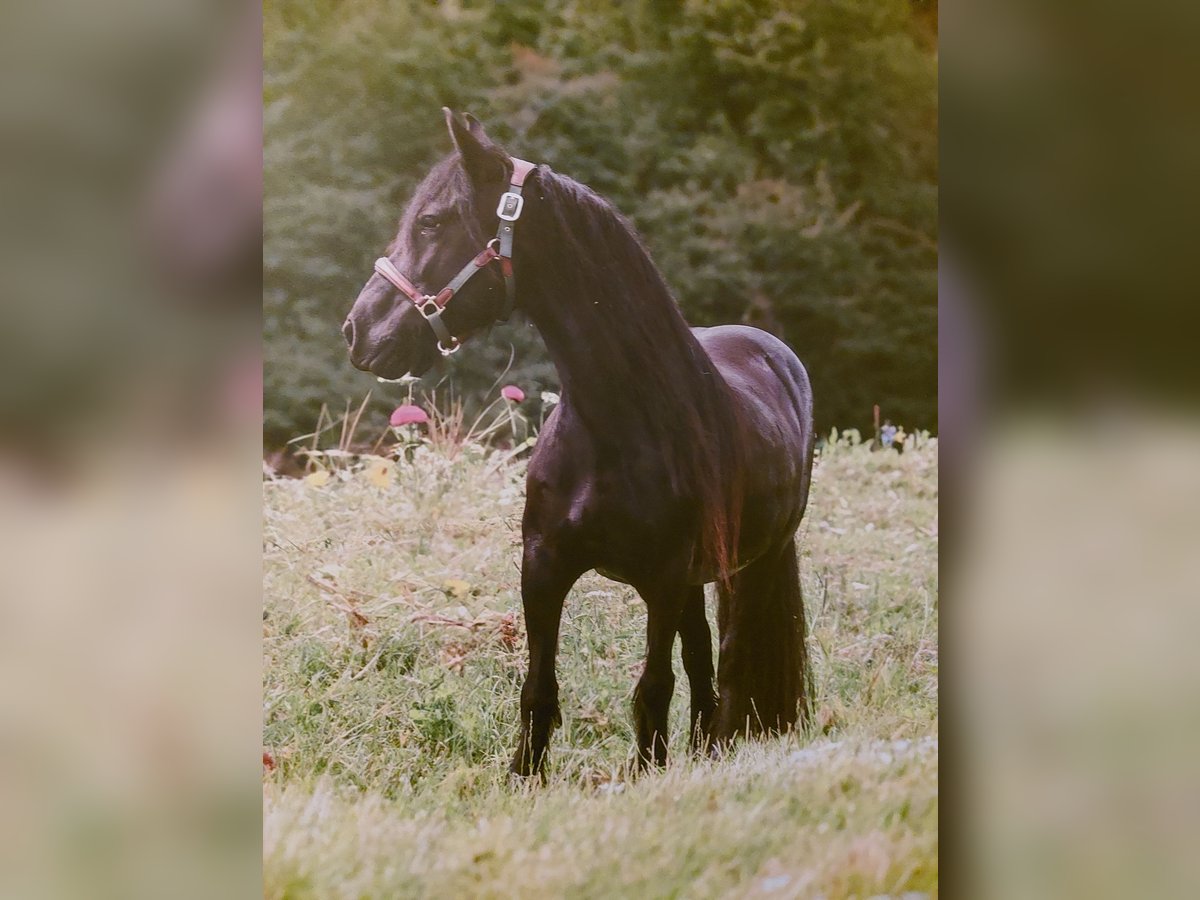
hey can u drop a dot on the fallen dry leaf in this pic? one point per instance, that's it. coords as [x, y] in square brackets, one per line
[483, 630]
[348, 602]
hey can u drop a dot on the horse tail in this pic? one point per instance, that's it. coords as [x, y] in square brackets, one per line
[764, 678]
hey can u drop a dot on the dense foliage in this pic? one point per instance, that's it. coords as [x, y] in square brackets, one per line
[780, 159]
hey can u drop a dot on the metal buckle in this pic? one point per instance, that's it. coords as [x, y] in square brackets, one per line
[453, 347]
[510, 206]
[428, 306]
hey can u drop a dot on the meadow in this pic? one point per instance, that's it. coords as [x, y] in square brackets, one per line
[393, 653]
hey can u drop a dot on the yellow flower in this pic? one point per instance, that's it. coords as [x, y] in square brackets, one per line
[456, 587]
[379, 473]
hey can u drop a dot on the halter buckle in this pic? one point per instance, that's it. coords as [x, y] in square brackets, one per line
[510, 206]
[428, 306]
[453, 348]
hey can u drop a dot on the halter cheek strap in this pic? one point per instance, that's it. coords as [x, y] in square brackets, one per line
[509, 210]
[498, 248]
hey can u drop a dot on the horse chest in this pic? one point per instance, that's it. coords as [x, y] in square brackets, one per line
[626, 534]
[605, 516]
[606, 505]
[598, 509]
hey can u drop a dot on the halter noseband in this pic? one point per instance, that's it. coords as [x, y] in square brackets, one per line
[498, 248]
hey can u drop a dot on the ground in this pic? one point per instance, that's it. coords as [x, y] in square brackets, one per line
[393, 657]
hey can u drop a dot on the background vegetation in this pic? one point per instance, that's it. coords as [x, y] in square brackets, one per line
[393, 654]
[779, 156]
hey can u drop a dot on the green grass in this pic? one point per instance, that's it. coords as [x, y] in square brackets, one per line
[393, 657]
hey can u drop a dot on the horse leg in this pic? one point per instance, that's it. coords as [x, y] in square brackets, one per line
[652, 696]
[697, 651]
[544, 586]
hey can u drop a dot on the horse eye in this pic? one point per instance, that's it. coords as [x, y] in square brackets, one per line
[429, 222]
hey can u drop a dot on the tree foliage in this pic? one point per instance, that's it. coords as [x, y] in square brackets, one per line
[779, 158]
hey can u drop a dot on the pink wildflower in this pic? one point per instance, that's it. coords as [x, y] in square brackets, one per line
[408, 415]
[512, 392]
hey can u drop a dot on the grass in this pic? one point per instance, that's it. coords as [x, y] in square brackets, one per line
[393, 657]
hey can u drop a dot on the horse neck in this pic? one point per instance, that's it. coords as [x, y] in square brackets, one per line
[623, 352]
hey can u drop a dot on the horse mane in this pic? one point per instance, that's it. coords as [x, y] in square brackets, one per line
[591, 259]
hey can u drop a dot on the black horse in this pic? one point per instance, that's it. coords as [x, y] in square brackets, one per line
[676, 456]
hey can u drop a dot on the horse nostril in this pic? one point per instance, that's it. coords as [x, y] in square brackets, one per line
[348, 331]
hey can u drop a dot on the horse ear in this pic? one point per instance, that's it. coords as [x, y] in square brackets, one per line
[483, 160]
[475, 127]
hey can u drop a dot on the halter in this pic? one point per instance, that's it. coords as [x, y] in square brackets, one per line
[498, 248]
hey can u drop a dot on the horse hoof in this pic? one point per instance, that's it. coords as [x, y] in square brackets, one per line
[521, 781]
[640, 765]
[701, 746]
[522, 771]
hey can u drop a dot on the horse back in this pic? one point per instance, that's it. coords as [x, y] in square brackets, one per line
[774, 402]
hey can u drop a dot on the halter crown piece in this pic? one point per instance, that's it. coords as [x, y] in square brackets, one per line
[498, 248]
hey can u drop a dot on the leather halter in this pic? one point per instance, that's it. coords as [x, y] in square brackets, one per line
[498, 248]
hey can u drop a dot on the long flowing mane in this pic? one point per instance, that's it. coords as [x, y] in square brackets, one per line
[650, 372]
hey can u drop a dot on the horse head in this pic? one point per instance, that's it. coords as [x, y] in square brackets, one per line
[398, 324]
